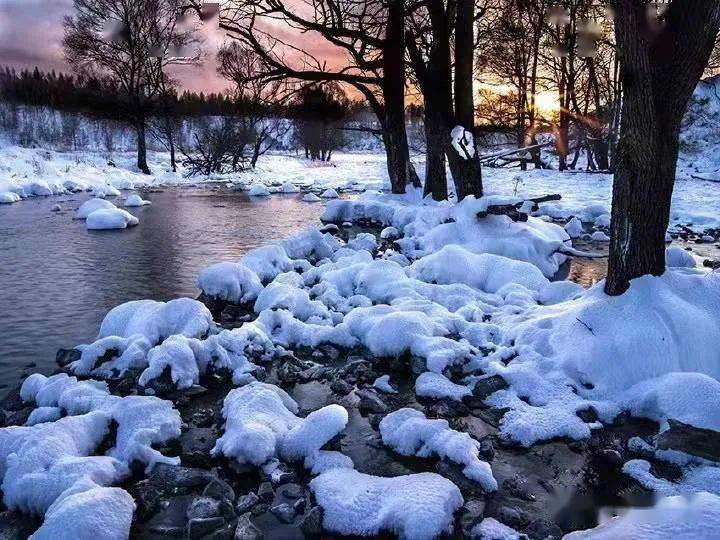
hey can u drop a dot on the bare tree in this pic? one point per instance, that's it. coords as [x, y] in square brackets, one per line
[662, 56]
[132, 41]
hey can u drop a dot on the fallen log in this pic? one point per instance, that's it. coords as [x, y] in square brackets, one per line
[517, 211]
[692, 440]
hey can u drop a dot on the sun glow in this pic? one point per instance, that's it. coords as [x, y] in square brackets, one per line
[547, 102]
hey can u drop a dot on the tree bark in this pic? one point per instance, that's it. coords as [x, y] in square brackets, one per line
[141, 146]
[659, 70]
[400, 169]
[467, 170]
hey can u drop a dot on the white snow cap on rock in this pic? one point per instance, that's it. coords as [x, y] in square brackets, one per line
[231, 282]
[492, 529]
[8, 197]
[261, 424]
[311, 197]
[135, 200]
[90, 206]
[574, 228]
[410, 433]
[289, 187]
[111, 218]
[413, 507]
[259, 190]
[599, 236]
[438, 386]
[677, 257]
[329, 194]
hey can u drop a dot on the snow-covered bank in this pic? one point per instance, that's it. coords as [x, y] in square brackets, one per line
[460, 304]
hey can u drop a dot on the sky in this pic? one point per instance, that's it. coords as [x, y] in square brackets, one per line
[31, 33]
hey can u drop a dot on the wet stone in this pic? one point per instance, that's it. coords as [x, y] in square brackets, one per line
[203, 507]
[200, 527]
[341, 387]
[293, 491]
[472, 513]
[219, 489]
[246, 502]
[168, 476]
[265, 492]
[311, 523]
[260, 509]
[65, 357]
[284, 512]
[371, 402]
[489, 385]
[246, 530]
[513, 517]
[542, 529]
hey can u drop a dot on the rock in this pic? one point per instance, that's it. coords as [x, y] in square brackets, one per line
[472, 513]
[284, 512]
[542, 529]
[513, 517]
[171, 531]
[280, 476]
[199, 527]
[226, 532]
[293, 491]
[16, 526]
[265, 492]
[486, 451]
[447, 408]
[219, 489]
[311, 523]
[588, 415]
[517, 487]
[65, 356]
[203, 418]
[341, 387]
[299, 505]
[371, 402]
[169, 476]
[610, 457]
[699, 442]
[246, 530]
[196, 444]
[16, 418]
[203, 507]
[489, 385]
[246, 502]
[147, 498]
[260, 509]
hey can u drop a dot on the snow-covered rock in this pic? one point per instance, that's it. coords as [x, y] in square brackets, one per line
[135, 201]
[259, 190]
[492, 529]
[416, 506]
[289, 187]
[382, 383]
[103, 191]
[90, 206]
[410, 433]
[437, 386]
[311, 197]
[599, 236]
[110, 218]
[230, 282]
[574, 228]
[8, 197]
[329, 194]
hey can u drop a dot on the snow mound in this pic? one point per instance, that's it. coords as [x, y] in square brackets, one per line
[88, 207]
[492, 529]
[259, 190]
[88, 513]
[8, 197]
[103, 191]
[289, 187]
[267, 262]
[135, 200]
[574, 228]
[437, 386]
[329, 194]
[382, 383]
[110, 218]
[677, 257]
[311, 197]
[230, 282]
[694, 518]
[410, 433]
[416, 506]
[261, 424]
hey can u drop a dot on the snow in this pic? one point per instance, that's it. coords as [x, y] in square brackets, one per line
[88, 513]
[267, 262]
[492, 529]
[574, 228]
[463, 142]
[88, 207]
[329, 194]
[695, 479]
[102, 191]
[230, 282]
[135, 200]
[382, 383]
[261, 425]
[259, 190]
[437, 386]
[111, 218]
[677, 257]
[8, 197]
[599, 236]
[311, 197]
[410, 433]
[693, 518]
[416, 506]
[176, 354]
[289, 187]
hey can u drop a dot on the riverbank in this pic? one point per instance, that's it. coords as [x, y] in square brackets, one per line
[423, 347]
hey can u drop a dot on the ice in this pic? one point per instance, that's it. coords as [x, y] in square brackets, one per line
[135, 200]
[410, 433]
[111, 218]
[90, 206]
[417, 506]
[574, 228]
[693, 518]
[8, 197]
[230, 282]
[261, 424]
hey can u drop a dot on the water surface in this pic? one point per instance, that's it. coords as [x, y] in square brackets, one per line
[58, 280]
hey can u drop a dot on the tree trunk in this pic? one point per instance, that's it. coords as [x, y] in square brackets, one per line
[659, 71]
[173, 161]
[400, 169]
[436, 136]
[467, 170]
[141, 146]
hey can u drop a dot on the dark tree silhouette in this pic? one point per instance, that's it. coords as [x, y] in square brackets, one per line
[662, 58]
